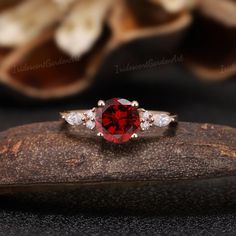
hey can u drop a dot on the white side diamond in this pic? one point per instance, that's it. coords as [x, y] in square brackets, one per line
[74, 118]
[162, 120]
[90, 124]
[146, 115]
[90, 119]
[145, 120]
[145, 125]
[90, 115]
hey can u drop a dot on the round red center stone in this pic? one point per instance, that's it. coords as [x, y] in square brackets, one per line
[117, 120]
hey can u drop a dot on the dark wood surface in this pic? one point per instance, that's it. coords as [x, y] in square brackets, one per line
[51, 164]
[52, 153]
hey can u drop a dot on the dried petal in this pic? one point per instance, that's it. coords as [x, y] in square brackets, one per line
[223, 11]
[22, 23]
[64, 3]
[130, 21]
[82, 27]
[174, 6]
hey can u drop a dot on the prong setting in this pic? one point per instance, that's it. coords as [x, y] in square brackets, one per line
[101, 103]
[134, 136]
[134, 104]
[62, 114]
[99, 134]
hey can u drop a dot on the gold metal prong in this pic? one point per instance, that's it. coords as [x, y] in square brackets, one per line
[101, 103]
[62, 114]
[134, 135]
[134, 104]
[100, 134]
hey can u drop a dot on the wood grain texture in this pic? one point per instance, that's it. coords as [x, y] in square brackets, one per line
[50, 153]
[160, 166]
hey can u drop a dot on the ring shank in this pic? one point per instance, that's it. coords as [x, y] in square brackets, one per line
[154, 112]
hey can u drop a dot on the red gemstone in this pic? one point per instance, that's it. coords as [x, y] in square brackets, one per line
[117, 120]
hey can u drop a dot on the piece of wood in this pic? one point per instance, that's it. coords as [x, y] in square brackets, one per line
[49, 157]
[50, 153]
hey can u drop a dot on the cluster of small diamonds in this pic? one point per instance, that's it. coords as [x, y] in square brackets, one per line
[90, 119]
[75, 118]
[148, 119]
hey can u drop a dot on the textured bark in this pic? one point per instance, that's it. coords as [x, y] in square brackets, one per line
[178, 163]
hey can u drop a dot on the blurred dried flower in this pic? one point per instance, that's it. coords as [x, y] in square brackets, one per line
[175, 5]
[82, 26]
[52, 48]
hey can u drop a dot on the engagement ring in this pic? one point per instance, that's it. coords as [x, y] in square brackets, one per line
[117, 120]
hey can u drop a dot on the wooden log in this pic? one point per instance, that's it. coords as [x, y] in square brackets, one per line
[176, 167]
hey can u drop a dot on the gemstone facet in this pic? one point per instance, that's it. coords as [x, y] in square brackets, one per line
[117, 120]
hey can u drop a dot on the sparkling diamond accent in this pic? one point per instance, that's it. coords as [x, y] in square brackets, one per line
[90, 119]
[145, 117]
[90, 115]
[162, 120]
[90, 124]
[145, 125]
[74, 118]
